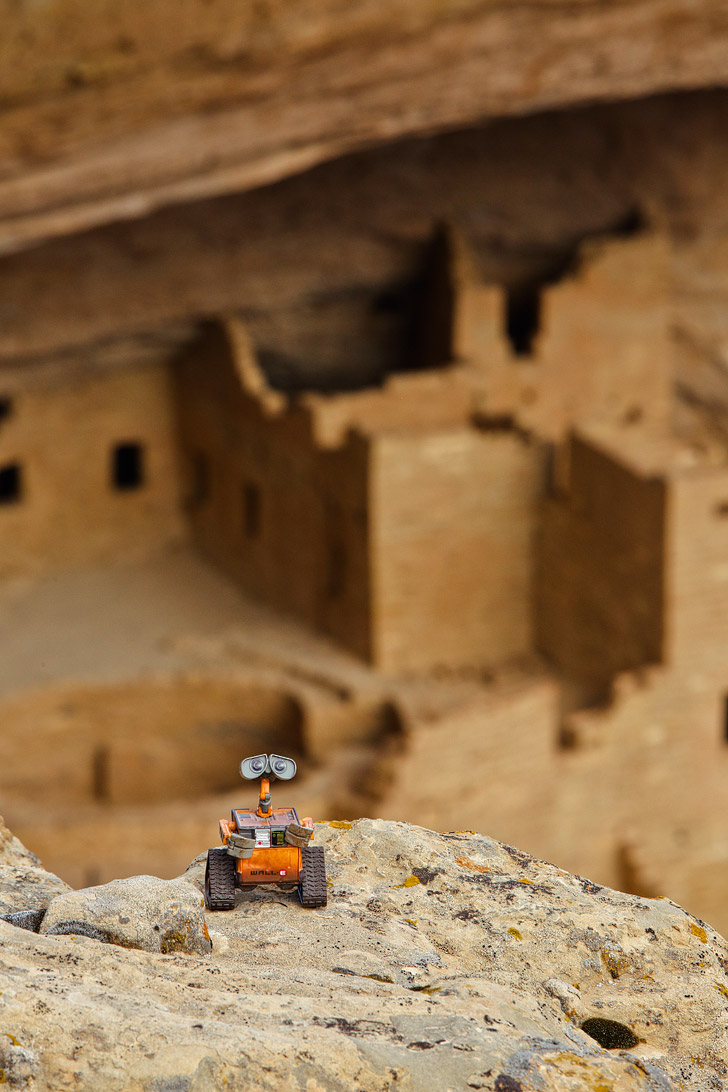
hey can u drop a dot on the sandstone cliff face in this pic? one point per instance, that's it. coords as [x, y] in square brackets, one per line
[442, 961]
[147, 104]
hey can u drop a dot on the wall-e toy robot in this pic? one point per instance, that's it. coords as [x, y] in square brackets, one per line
[265, 845]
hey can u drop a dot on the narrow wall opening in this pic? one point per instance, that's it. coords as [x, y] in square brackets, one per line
[127, 466]
[523, 318]
[11, 483]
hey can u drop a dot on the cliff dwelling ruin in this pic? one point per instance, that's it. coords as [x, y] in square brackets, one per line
[413, 464]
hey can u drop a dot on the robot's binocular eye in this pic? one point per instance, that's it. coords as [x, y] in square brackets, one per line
[250, 768]
[285, 768]
[260, 765]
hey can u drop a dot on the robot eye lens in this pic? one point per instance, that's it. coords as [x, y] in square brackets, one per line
[280, 766]
[257, 765]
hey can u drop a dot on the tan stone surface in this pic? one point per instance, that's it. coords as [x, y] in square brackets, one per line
[283, 515]
[24, 883]
[446, 959]
[697, 537]
[108, 116]
[369, 515]
[328, 270]
[452, 518]
[600, 585]
[62, 438]
[322, 264]
[437, 507]
[490, 764]
[129, 693]
[601, 347]
[141, 912]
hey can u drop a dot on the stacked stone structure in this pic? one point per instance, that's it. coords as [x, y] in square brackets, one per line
[520, 513]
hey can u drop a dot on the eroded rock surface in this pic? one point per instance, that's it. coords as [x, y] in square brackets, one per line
[446, 961]
[24, 883]
[105, 115]
[140, 912]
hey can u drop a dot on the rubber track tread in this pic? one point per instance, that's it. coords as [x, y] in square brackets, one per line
[220, 880]
[312, 889]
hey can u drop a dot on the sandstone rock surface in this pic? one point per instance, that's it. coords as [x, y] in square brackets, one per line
[108, 112]
[447, 961]
[24, 883]
[140, 912]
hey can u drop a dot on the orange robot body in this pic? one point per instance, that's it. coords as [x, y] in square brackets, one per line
[272, 860]
[265, 845]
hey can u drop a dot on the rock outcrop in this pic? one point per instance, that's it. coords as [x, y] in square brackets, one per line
[140, 912]
[24, 883]
[442, 960]
[148, 103]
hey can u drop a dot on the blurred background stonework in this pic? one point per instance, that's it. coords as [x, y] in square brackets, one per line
[364, 397]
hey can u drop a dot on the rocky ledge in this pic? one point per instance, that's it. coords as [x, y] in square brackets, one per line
[108, 112]
[443, 961]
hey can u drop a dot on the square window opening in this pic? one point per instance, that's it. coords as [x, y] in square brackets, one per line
[127, 466]
[11, 483]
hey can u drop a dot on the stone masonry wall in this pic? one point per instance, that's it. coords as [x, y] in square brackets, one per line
[88, 470]
[697, 574]
[598, 346]
[600, 569]
[284, 517]
[453, 522]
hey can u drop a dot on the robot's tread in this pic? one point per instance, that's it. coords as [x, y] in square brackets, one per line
[220, 880]
[312, 888]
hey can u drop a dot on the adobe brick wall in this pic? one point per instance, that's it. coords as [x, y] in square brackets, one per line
[489, 765]
[383, 518]
[61, 436]
[604, 348]
[434, 399]
[653, 771]
[452, 542]
[599, 595]
[602, 344]
[638, 803]
[284, 517]
[697, 573]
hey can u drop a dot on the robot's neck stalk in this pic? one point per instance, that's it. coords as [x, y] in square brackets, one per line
[264, 806]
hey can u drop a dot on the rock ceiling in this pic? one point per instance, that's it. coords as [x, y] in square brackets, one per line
[147, 105]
